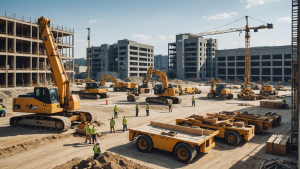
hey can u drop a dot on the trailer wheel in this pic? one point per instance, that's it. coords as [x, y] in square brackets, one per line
[185, 153]
[210, 96]
[257, 128]
[144, 143]
[232, 138]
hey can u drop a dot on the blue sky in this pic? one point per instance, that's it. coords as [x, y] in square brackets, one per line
[156, 22]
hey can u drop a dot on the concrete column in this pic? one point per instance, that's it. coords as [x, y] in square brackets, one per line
[62, 38]
[6, 27]
[6, 44]
[30, 79]
[6, 76]
[45, 79]
[15, 79]
[14, 29]
[31, 31]
[15, 62]
[282, 68]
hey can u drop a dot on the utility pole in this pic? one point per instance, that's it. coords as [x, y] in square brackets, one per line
[88, 70]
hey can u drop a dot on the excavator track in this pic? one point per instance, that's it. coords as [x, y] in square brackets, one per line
[164, 100]
[58, 123]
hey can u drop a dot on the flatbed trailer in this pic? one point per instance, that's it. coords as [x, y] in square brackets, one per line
[261, 122]
[184, 142]
[232, 133]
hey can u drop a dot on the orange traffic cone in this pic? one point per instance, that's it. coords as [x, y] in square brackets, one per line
[106, 102]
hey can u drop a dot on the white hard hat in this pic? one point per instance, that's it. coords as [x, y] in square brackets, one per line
[98, 142]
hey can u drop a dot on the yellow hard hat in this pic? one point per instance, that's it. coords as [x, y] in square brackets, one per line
[124, 116]
[112, 117]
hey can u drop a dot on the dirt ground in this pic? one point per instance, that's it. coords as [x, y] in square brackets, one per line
[49, 154]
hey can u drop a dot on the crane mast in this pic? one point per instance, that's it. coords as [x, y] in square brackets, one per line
[88, 70]
[247, 54]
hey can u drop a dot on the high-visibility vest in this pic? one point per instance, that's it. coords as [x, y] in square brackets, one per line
[0, 107]
[87, 130]
[283, 100]
[124, 121]
[116, 109]
[112, 122]
[96, 149]
[94, 130]
[147, 107]
[137, 107]
[193, 99]
[170, 104]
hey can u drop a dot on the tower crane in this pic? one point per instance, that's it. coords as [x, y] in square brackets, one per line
[246, 92]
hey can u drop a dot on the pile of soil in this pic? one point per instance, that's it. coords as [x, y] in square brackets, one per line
[106, 160]
[26, 146]
[8, 94]
[134, 79]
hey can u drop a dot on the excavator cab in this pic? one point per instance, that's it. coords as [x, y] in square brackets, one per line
[220, 87]
[46, 95]
[158, 89]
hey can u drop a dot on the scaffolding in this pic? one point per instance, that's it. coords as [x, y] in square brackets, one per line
[295, 74]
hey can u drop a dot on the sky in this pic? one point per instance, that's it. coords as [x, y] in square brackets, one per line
[156, 22]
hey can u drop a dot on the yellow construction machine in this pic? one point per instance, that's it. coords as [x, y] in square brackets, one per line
[119, 86]
[268, 90]
[166, 94]
[89, 80]
[78, 82]
[188, 90]
[54, 106]
[93, 90]
[219, 90]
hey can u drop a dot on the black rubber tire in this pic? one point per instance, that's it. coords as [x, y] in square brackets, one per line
[115, 89]
[147, 100]
[237, 138]
[257, 128]
[191, 152]
[223, 97]
[210, 96]
[230, 96]
[144, 139]
[124, 89]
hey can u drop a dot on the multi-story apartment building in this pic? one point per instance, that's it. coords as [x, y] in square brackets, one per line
[23, 59]
[80, 61]
[161, 62]
[192, 57]
[126, 57]
[271, 63]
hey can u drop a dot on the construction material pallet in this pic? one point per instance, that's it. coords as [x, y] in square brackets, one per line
[184, 142]
[231, 131]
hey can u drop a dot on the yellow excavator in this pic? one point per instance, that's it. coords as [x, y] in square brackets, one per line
[219, 90]
[268, 90]
[166, 94]
[53, 107]
[119, 86]
[188, 90]
[78, 82]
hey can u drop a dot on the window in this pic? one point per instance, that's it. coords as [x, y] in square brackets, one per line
[200, 49]
[277, 56]
[133, 63]
[287, 56]
[287, 71]
[266, 71]
[190, 49]
[190, 69]
[221, 59]
[240, 63]
[148, 50]
[240, 58]
[265, 63]
[121, 63]
[222, 71]
[200, 43]
[254, 63]
[133, 53]
[190, 54]
[191, 59]
[133, 74]
[143, 64]
[190, 44]
[143, 49]
[142, 69]
[143, 54]
[122, 48]
[143, 59]
[231, 71]
[133, 58]
[255, 71]
[240, 71]
[222, 64]
[133, 47]
[277, 63]
[277, 71]
[255, 57]
[152, 50]
[191, 64]
[231, 64]
[287, 63]
[133, 69]
[265, 57]
[122, 53]
[276, 79]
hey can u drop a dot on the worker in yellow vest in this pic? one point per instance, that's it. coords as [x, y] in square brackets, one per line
[88, 133]
[116, 112]
[283, 103]
[94, 132]
[137, 110]
[124, 123]
[193, 101]
[147, 109]
[112, 124]
[170, 106]
[97, 150]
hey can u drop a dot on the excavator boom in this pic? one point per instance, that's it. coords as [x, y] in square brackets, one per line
[163, 76]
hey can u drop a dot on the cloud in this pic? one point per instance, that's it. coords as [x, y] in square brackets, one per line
[172, 37]
[142, 37]
[250, 3]
[220, 16]
[79, 40]
[161, 37]
[93, 21]
[285, 19]
[149, 21]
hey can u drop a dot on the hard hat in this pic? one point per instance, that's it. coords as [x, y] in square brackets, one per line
[98, 142]
[124, 116]
[94, 124]
[112, 117]
[147, 103]
[89, 124]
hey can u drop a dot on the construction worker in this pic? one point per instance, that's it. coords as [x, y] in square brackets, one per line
[124, 123]
[283, 102]
[94, 132]
[170, 106]
[116, 112]
[97, 150]
[147, 109]
[88, 133]
[193, 101]
[2, 111]
[112, 125]
[137, 110]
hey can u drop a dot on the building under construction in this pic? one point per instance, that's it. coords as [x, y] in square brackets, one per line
[23, 59]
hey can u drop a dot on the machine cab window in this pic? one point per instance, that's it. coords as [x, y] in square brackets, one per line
[158, 89]
[220, 87]
[46, 95]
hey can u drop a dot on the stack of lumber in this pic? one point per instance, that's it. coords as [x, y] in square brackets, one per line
[212, 120]
[277, 144]
[197, 131]
[270, 104]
